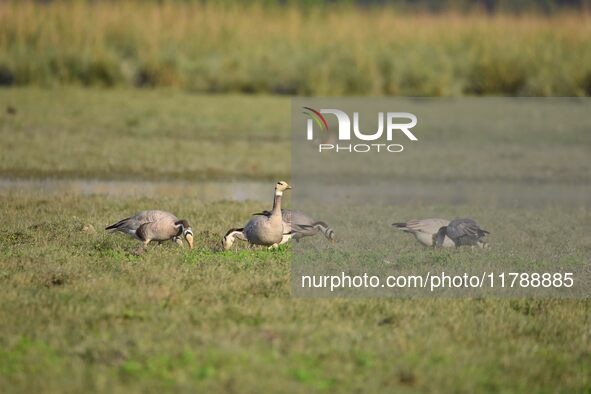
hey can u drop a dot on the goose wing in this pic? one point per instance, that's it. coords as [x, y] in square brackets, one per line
[132, 223]
[303, 229]
[298, 217]
[465, 228]
[160, 230]
[154, 215]
[428, 226]
[120, 224]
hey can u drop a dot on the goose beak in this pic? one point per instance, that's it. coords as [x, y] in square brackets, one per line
[288, 187]
[189, 239]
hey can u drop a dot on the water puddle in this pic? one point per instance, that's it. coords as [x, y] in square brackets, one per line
[500, 194]
[204, 191]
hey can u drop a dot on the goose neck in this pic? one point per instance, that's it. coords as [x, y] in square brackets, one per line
[277, 203]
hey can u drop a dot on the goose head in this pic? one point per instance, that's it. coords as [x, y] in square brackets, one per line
[439, 237]
[229, 238]
[281, 187]
[227, 242]
[185, 229]
[332, 238]
[327, 231]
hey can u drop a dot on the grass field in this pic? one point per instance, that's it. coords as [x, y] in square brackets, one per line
[168, 134]
[307, 50]
[162, 134]
[80, 312]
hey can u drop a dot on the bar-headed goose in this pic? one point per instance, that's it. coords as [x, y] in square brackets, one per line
[425, 230]
[159, 226]
[261, 229]
[462, 232]
[296, 225]
[238, 233]
[268, 230]
[300, 225]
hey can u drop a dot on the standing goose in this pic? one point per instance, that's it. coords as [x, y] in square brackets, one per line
[425, 230]
[159, 226]
[301, 225]
[265, 230]
[238, 233]
[296, 225]
[462, 232]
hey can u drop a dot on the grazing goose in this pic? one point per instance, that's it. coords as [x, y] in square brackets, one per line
[462, 232]
[425, 230]
[263, 230]
[231, 236]
[159, 226]
[296, 225]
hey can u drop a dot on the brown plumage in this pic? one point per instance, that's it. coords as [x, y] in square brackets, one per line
[425, 230]
[154, 225]
[268, 230]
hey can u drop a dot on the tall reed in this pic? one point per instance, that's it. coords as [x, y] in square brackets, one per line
[293, 50]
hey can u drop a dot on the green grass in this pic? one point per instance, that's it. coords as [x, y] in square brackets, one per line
[161, 134]
[548, 238]
[80, 312]
[166, 134]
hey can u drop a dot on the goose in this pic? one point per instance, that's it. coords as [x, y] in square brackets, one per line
[261, 229]
[301, 225]
[296, 225]
[231, 236]
[238, 233]
[155, 225]
[425, 230]
[462, 232]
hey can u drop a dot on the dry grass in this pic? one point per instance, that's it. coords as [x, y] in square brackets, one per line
[312, 51]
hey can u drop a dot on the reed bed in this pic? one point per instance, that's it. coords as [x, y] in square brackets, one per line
[293, 50]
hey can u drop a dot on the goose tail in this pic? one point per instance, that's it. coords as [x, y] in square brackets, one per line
[401, 226]
[117, 225]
